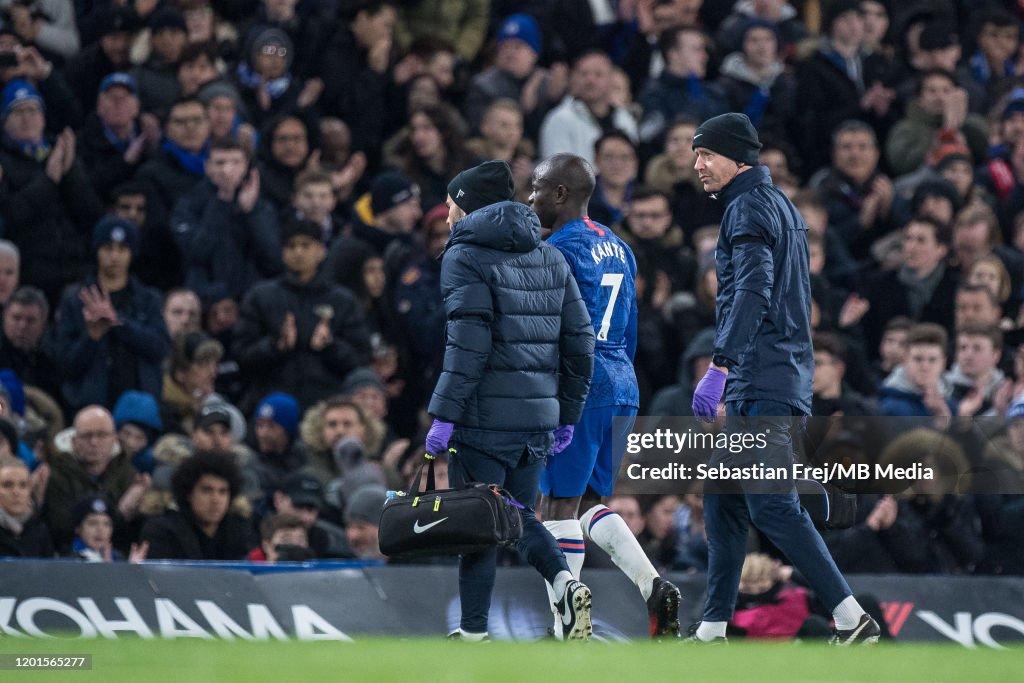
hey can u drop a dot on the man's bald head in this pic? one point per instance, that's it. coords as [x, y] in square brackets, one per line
[562, 185]
[94, 438]
[93, 416]
[574, 172]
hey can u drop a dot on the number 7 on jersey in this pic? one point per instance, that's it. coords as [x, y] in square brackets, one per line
[613, 280]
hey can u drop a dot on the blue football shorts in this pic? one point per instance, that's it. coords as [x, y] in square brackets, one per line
[590, 460]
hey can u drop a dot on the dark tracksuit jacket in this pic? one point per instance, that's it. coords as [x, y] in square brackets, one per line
[308, 375]
[764, 294]
[226, 251]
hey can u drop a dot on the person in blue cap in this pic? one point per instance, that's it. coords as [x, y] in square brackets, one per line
[275, 424]
[114, 142]
[111, 333]
[137, 419]
[516, 75]
[50, 201]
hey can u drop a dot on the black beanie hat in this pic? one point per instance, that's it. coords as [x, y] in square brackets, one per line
[731, 135]
[389, 189]
[833, 10]
[300, 226]
[489, 183]
[939, 187]
[89, 505]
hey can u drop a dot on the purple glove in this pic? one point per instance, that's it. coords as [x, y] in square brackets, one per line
[437, 437]
[708, 395]
[563, 437]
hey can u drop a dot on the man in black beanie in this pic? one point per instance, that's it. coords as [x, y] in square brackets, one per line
[518, 364]
[763, 344]
[489, 183]
[301, 332]
[730, 135]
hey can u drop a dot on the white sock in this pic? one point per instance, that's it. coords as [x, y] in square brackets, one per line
[570, 540]
[847, 613]
[472, 637]
[560, 583]
[605, 528]
[709, 630]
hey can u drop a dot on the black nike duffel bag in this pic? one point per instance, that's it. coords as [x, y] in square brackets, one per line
[477, 517]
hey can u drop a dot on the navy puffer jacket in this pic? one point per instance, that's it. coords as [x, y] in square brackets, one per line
[520, 345]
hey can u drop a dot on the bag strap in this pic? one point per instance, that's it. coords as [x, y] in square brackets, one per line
[414, 483]
[428, 462]
[467, 478]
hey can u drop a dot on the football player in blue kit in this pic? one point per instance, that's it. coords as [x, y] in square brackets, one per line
[581, 477]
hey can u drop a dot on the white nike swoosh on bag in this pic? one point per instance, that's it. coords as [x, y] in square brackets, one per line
[417, 529]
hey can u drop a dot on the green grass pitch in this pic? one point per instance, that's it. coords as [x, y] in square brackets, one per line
[439, 661]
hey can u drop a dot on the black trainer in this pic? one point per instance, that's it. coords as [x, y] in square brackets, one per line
[691, 637]
[866, 632]
[574, 611]
[663, 609]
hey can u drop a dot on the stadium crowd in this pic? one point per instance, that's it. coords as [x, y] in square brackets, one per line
[222, 220]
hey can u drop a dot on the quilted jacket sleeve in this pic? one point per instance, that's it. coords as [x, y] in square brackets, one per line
[470, 311]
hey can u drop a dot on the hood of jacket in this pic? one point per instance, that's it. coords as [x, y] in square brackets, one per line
[69, 467]
[957, 378]
[899, 381]
[735, 66]
[505, 226]
[746, 8]
[702, 344]
[663, 175]
[176, 397]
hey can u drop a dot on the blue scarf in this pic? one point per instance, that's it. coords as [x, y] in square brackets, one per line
[694, 88]
[981, 71]
[80, 549]
[252, 80]
[192, 162]
[615, 211]
[756, 106]
[37, 151]
[119, 144]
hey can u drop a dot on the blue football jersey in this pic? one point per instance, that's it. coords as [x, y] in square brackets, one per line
[605, 270]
